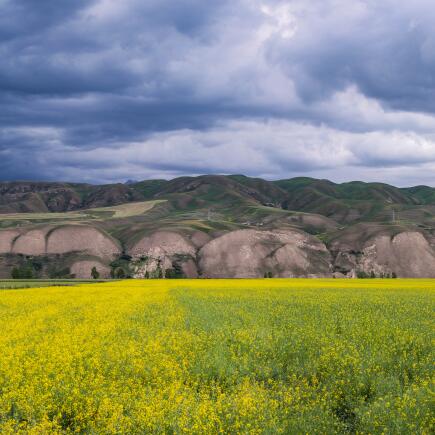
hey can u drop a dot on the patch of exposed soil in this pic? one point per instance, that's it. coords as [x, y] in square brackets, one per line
[7, 238]
[30, 243]
[83, 239]
[253, 253]
[406, 254]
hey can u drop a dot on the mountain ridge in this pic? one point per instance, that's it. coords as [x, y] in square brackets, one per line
[299, 193]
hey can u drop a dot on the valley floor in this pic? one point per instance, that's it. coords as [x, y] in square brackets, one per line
[218, 356]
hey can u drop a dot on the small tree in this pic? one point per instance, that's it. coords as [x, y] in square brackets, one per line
[175, 272]
[159, 271]
[372, 274]
[94, 273]
[394, 275]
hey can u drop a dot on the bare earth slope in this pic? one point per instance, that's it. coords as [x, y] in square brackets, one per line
[383, 252]
[253, 253]
[81, 238]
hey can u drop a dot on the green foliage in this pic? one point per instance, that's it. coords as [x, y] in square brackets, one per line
[120, 268]
[37, 265]
[94, 273]
[176, 272]
[119, 273]
[30, 267]
[361, 274]
[22, 272]
[157, 273]
[58, 273]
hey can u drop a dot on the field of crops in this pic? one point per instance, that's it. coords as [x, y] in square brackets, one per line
[100, 213]
[229, 356]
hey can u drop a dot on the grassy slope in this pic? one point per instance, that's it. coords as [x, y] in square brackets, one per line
[355, 201]
[424, 194]
[345, 202]
[208, 204]
[291, 356]
[216, 203]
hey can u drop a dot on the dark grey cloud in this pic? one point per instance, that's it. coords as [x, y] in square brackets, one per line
[103, 90]
[23, 18]
[385, 48]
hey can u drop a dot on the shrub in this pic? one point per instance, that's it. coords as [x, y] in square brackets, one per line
[94, 273]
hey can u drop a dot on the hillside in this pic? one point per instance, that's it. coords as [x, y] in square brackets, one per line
[217, 226]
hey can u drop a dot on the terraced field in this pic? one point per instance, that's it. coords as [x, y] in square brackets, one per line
[219, 356]
[114, 212]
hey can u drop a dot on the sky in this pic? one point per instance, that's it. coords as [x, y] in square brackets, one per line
[104, 91]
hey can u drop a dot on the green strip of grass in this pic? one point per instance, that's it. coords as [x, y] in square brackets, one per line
[7, 284]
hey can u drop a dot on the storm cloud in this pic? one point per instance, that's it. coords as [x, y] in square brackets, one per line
[104, 91]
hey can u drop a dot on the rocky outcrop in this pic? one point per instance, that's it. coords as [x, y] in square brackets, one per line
[163, 251]
[406, 254]
[24, 197]
[253, 253]
[162, 243]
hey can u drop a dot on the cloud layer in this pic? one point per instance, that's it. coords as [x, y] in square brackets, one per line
[103, 91]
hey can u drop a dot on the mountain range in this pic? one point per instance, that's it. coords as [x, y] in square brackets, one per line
[216, 226]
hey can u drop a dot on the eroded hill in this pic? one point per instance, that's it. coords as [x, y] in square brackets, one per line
[217, 226]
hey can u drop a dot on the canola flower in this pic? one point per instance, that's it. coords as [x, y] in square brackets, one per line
[219, 356]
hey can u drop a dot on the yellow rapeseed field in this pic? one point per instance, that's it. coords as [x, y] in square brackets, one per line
[228, 356]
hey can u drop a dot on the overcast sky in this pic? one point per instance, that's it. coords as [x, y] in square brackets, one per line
[109, 90]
